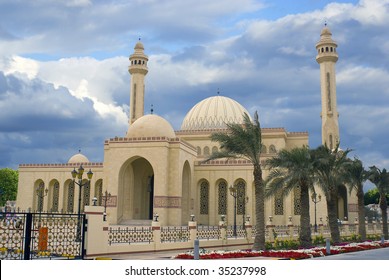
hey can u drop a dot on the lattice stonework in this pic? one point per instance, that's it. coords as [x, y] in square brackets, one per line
[204, 198]
[40, 191]
[278, 204]
[70, 204]
[54, 206]
[241, 197]
[86, 195]
[222, 198]
[130, 235]
[297, 201]
[99, 193]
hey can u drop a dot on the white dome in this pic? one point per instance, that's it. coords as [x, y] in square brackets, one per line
[213, 112]
[151, 126]
[78, 158]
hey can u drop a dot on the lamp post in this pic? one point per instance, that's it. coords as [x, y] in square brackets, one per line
[234, 193]
[106, 197]
[315, 199]
[77, 174]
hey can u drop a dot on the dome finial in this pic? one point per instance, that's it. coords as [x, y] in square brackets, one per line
[218, 91]
[151, 110]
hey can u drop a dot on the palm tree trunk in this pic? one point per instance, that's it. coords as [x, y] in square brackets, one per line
[305, 233]
[384, 213]
[361, 213]
[259, 240]
[332, 201]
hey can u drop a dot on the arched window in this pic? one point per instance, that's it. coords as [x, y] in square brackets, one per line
[85, 194]
[241, 197]
[272, 149]
[198, 151]
[40, 193]
[326, 49]
[99, 192]
[278, 203]
[263, 149]
[297, 201]
[55, 197]
[214, 149]
[222, 198]
[70, 198]
[322, 50]
[206, 151]
[204, 198]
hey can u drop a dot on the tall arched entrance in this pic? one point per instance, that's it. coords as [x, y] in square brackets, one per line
[136, 191]
[342, 203]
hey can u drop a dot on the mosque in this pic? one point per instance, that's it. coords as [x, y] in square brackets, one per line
[155, 170]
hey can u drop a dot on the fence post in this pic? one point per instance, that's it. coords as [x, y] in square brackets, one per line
[346, 228]
[249, 231]
[192, 226]
[96, 235]
[290, 228]
[156, 227]
[27, 239]
[270, 228]
[223, 230]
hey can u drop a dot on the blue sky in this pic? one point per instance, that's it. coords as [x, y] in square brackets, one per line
[64, 84]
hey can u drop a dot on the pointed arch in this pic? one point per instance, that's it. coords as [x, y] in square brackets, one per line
[68, 196]
[39, 195]
[99, 191]
[241, 196]
[53, 205]
[222, 192]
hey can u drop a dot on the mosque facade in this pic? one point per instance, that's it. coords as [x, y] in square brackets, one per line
[155, 170]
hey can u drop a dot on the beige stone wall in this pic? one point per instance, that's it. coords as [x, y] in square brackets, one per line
[31, 174]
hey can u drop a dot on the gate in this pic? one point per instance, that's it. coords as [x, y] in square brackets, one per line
[41, 235]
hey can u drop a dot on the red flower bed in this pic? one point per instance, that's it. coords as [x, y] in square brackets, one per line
[287, 254]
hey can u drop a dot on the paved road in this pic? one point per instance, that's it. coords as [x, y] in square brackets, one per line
[375, 254]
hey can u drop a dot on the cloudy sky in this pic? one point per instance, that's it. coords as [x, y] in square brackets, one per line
[64, 84]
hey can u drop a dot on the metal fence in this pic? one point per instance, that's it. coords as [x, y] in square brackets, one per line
[41, 235]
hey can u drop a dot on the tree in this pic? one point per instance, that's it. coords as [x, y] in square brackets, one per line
[330, 168]
[245, 141]
[356, 176]
[380, 178]
[372, 196]
[8, 185]
[289, 170]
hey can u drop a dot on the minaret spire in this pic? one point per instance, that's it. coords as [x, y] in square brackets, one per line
[327, 58]
[138, 70]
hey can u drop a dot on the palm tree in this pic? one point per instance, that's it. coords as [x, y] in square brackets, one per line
[289, 170]
[380, 178]
[245, 141]
[356, 176]
[329, 168]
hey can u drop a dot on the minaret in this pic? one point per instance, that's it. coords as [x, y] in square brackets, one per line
[138, 70]
[327, 57]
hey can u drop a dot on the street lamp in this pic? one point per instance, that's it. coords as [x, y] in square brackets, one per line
[234, 193]
[315, 199]
[106, 197]
[78, 175]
